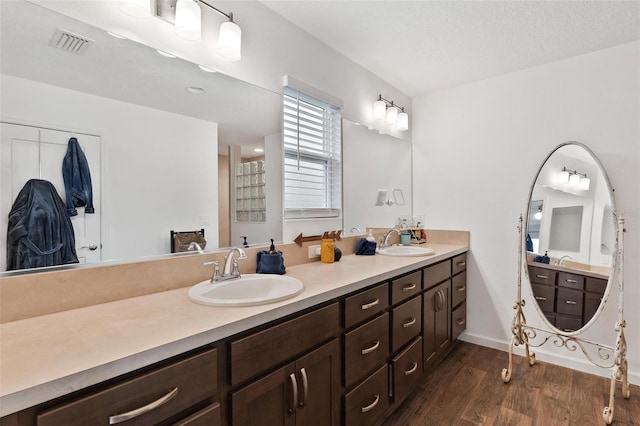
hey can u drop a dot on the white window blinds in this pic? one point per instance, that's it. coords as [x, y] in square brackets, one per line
[312, 157]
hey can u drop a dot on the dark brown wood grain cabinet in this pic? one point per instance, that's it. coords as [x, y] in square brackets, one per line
[304, 392]
[436, 321]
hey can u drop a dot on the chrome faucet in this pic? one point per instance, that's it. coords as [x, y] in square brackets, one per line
[195, 246]
[385, 240]
[559, 261]
[227, 272]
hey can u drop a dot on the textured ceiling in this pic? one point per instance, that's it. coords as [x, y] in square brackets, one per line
[421, 46]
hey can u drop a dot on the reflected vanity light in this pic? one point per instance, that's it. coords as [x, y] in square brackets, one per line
[386, 111]
[186, 16]
[538, 214]
[574, 178]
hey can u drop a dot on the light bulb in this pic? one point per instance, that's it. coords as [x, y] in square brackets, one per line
[230, 41]
[403, 122]
[585, 182]
[391, 115]
[538, 215]
[574, 180]
[188, 20]
[379, 109]
[563, 176]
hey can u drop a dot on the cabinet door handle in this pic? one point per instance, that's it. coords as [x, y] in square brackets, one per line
[305, 387]
[409, 287]
[541, 298]
[544, 277]
[461, 264]
[294, 392]
[570, 302]
[370, 304]
[119, 418]
[412, 369]
[372, 405]
[371, 348]
[460, 321]
[409, 323]
[571, 281]
[461, 288]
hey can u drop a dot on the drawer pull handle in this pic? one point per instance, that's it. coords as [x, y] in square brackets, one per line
[460, 321]
[372, 405]
[412, 369]
[409, 287]
[409, 323]
[371, 348]
[570, 302]
[543, 277]
[294, 392]
[119, 418]
[305, 387]
[370, 304]
[541, 298]
[572, 281]
[461, 264]
[461, 288]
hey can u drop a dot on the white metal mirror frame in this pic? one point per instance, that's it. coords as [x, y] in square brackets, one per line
[600, 355]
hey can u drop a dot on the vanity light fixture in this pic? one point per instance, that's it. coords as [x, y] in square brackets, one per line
[186, 15]
[393, 115]
[574, 178]
[538, 214]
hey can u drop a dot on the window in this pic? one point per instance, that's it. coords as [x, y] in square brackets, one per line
[312, 157]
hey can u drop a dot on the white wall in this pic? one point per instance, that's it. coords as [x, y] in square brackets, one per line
[144, 151]
[477, 148]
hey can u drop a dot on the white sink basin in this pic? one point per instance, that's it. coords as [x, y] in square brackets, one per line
[405, 251]
[249, 290]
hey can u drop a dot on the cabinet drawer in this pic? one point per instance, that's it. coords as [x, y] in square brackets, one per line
[595, 285]
[173, 388]
[459, 289]
[365, 304]
[570, 280]
[437, 273]
[263, 350]
[545, 296]
[542, 276]
[568, 324]
[406, 368]
[406, 322]
[458, 321]
[365, 348]
[366, 403]
[459, 263]
[404, 287]
[569, 302]
[209, 416]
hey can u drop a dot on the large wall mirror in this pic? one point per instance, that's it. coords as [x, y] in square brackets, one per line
[169, 138]
[570, 239]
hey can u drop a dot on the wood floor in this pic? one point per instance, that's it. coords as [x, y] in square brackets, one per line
[467, 389]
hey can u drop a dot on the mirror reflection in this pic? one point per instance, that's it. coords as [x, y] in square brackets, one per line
[154, 129]
[570, 237]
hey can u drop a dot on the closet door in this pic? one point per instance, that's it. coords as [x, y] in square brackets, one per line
[36, 153]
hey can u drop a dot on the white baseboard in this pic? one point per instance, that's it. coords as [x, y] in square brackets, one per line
[551, 358]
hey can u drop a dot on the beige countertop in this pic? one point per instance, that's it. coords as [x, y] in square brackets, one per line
[600, 272]
[48, 356]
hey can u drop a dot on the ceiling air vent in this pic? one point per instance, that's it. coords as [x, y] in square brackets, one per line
[70, 42]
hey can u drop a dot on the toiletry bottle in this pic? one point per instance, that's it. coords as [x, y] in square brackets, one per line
[327, 252]
[370, 237]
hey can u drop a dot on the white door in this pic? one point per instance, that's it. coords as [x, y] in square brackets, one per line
[37, 153]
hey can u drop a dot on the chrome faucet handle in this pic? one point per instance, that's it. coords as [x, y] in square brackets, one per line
[236, 270]
[215, 276]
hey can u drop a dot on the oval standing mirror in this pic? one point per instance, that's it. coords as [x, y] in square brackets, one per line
[570, 240]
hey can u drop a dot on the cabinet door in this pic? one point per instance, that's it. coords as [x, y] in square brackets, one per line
[268, 401]
[436, 321]
[319, 386]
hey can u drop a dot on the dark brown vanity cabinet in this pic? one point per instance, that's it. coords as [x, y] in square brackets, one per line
[568, 300]
[458, 295]
[436, 321]
[159, 396]
[304, 392]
